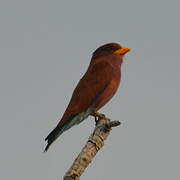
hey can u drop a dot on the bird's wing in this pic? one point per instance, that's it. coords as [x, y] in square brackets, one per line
[89, 89]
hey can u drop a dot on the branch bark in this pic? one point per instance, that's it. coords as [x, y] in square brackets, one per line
[93, 145]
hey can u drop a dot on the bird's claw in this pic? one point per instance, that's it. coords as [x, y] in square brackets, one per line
[98, 116]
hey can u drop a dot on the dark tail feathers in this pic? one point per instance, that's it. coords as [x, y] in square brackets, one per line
[51, 138]
[60, 128]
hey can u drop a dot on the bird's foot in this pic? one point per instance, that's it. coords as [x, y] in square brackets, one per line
[97, 116]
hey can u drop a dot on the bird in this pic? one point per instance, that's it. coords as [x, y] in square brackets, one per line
[94, 90]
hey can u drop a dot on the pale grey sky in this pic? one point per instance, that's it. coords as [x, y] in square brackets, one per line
[46, 46]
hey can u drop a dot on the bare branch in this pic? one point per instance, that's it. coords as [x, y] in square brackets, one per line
[93, 145]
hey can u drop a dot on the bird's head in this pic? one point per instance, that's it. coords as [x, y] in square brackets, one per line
[110, 49]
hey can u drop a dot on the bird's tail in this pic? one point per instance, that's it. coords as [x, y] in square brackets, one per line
[60, 128]
[52, 137]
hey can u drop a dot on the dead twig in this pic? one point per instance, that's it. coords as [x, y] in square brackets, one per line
[93, 145]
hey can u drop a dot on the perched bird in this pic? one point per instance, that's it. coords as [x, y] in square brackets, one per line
[94, 90]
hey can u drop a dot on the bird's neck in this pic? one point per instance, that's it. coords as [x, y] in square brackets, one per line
[113, 60]
[116, 61]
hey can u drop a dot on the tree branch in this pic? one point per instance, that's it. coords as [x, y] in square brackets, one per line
[93, 145]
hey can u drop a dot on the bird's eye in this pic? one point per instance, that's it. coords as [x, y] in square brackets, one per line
[109, 49]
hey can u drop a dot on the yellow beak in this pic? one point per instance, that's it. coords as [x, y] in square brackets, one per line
[122, 51]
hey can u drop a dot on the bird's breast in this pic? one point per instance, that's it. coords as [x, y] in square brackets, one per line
[109, 91]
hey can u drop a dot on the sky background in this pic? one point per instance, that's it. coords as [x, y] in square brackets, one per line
[45, 48]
